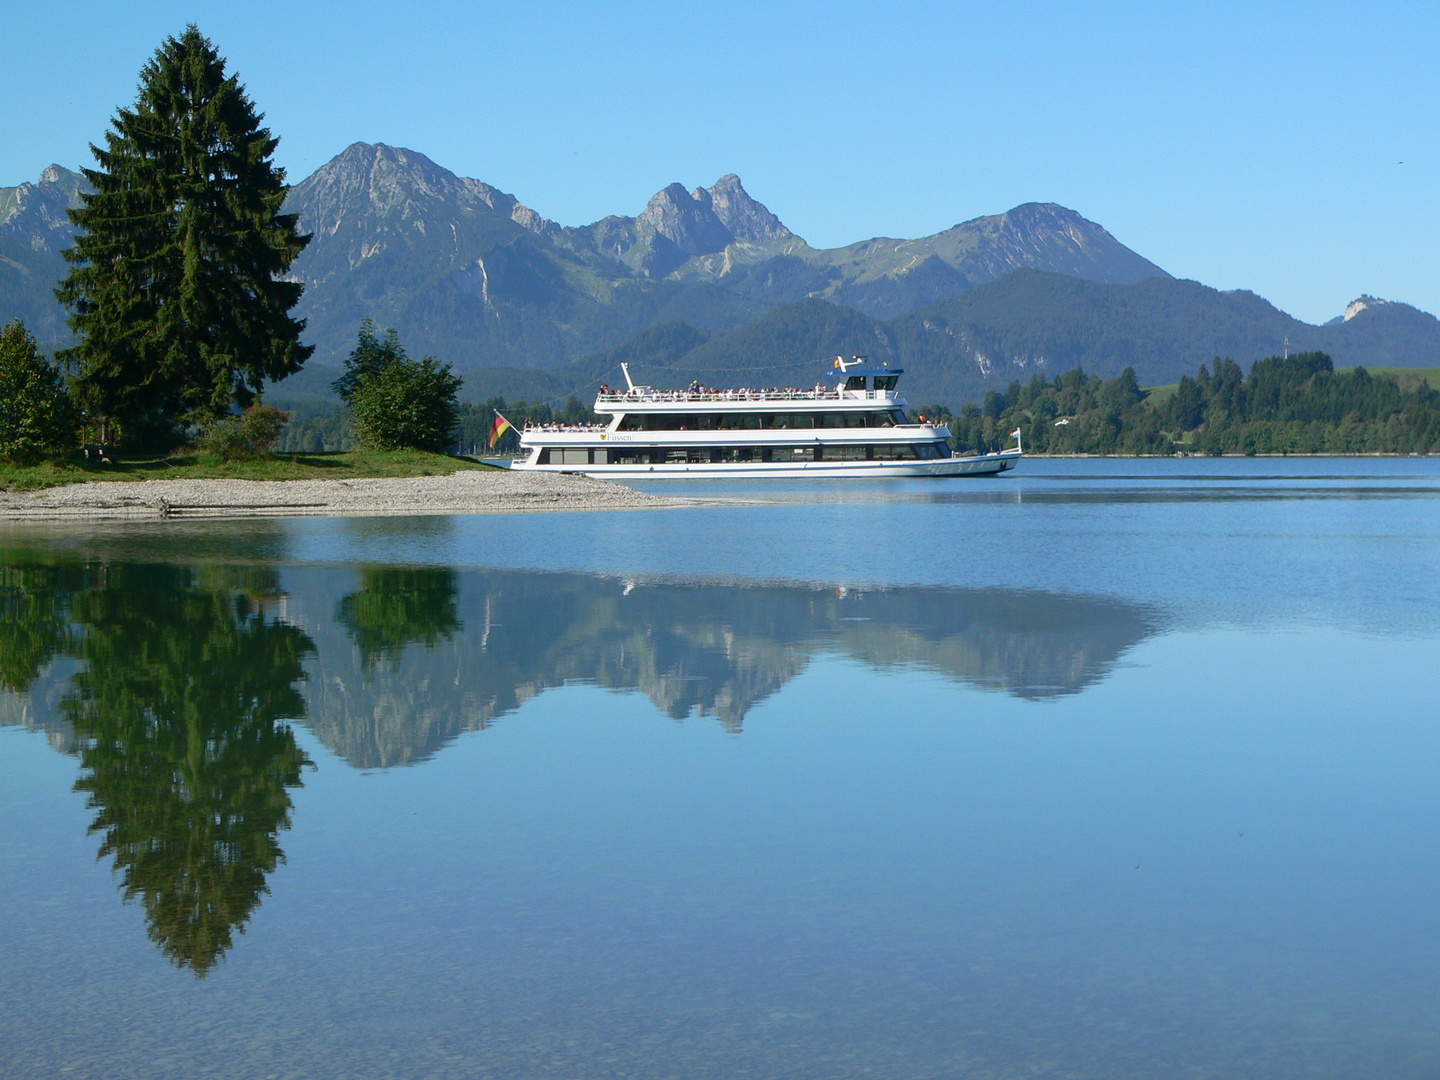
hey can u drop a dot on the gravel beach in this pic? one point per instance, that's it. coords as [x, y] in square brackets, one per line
[467, 492]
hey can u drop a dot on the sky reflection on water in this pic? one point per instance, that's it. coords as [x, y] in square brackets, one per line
[1086, 794]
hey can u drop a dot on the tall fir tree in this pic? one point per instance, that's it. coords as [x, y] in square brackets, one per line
[176, 284]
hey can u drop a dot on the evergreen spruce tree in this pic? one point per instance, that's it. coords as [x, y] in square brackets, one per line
[176, 286]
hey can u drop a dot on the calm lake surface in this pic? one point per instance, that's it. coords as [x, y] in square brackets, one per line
[1100, 769]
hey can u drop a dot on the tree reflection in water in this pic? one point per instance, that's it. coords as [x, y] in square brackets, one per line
[187, 680]
[180, 728]
[34, 610]
[396, 607]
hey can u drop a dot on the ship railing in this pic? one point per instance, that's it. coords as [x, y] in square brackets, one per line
[687, 397]
[564, 428]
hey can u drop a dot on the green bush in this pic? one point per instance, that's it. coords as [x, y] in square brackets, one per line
[37, 420]
[246, 437]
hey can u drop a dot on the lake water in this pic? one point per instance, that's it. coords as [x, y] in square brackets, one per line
[1100, 769]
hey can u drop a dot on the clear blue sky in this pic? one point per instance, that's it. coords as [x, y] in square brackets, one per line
[1244, 145]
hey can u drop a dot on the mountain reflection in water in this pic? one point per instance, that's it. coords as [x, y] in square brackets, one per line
[401, 659]
[174, 685]
[715, 650]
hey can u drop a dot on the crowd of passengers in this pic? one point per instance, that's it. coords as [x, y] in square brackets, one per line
[736, 421]
[530, 426]
[697, 391]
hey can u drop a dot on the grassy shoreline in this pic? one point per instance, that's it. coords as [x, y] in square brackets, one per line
[339, 465]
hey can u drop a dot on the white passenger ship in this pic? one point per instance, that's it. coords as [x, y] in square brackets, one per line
[855, 428]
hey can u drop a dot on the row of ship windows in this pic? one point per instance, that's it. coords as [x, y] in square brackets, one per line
[732, 421]
[715, 455]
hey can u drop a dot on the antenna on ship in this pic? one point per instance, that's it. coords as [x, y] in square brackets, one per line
[626, 369]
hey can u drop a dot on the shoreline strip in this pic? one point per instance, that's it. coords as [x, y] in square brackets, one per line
[461, 492]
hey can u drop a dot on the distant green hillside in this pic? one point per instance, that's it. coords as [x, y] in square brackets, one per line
[1407, 378]
[1286, 405]
[1404, 376]
[992, 336]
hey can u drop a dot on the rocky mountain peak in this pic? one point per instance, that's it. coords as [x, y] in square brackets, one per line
[1029, 218]
[747, 219]
[1359, 304]
[390, 183]
[1048, 236]
[678, 225]
[36, 212]
[61, 176]
[687, 222]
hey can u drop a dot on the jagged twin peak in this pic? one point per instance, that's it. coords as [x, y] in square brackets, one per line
[708, 220]
[678, 225]
[378, 189]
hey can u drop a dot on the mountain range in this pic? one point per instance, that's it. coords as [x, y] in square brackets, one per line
[707, 282]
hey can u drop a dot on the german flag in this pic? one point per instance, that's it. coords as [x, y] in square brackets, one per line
[501, 426]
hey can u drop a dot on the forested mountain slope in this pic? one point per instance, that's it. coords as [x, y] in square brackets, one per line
[1009, 330]
[470, 274]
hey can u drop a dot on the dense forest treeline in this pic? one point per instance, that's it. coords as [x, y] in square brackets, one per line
[317, 427]
[1286, 405]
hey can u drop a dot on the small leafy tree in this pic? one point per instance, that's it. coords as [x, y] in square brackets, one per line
[178, 289]
[397, 403]
[36, 417]
[371, 353]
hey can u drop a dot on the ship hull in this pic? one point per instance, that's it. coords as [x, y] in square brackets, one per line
[978, 465]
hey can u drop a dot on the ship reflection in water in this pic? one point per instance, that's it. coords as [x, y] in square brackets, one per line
[175, 687]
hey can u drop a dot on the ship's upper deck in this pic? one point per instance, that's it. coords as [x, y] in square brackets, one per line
[874, 388]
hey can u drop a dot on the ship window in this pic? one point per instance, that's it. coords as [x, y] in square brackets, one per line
[843, 453]
[544, 458]
[893, 452]
[747, 421]
[733, 453]
[570, 457]
[886, 382]
[833, 419]
[684, 455]
[855, 382]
